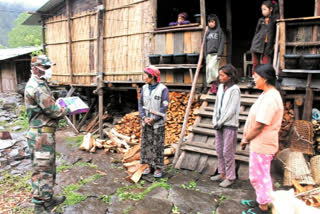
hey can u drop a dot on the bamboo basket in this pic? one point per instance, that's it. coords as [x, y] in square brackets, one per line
[315, 168]
[302, 137]
[298, 169]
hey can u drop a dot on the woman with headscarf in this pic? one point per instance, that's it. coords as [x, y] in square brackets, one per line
[261, 133]
[153, 105]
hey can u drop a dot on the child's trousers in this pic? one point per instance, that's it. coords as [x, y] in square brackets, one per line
[258, 59]
[259, 175]
[226, 143]
[212, 68]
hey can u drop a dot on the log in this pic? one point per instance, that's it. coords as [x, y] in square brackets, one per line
[115, 133]
[137, 175]
[117, 141]
[87, 142]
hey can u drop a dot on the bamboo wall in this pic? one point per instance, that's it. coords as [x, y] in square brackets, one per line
[127, 43]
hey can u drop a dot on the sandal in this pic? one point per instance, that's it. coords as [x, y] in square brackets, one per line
[250, 203]
[255, 210]
[146, 171]
[157, 173]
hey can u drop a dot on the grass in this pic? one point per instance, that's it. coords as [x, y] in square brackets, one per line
[175, 209]
[72, 197]
[127, 193]
[14, 190]
[222, 198]
[75, 142]
[191, 186]
[106, 199]
[64, 166]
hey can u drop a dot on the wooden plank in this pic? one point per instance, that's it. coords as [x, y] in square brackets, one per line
[169, 43]
[208, 132]
[202, 163]
[203, 13]
[212, 166]
[178, 43]
[308, 102]
[69, 40]
[195, 41]
[187, 42]
[211, 152]
[178, 77]
[180, 160]
[169, 76]
[192, 161]
[160, 43]
[209, 114]
[187, 78]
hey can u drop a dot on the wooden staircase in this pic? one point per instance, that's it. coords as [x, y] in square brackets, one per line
[198, 151]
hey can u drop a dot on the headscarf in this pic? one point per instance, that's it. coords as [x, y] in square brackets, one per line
[153, 71]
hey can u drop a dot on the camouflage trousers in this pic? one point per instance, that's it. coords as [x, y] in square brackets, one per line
[152, 146]
[43, 157]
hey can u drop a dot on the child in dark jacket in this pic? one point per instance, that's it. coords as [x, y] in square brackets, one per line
[214, 44]
[263, 40]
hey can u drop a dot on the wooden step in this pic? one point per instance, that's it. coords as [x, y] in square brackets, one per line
[211, 152]
[212, 98]
[208, 132]
[209, 114]
[210, 126]
[211, 109]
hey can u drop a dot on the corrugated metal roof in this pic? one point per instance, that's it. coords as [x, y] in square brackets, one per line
[35, 19]
[14, 52]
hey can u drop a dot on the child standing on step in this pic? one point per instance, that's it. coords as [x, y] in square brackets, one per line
[226, 122]
[263, 40]
[214, 43]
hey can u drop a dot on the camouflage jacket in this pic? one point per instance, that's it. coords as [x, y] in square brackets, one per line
[40, 104]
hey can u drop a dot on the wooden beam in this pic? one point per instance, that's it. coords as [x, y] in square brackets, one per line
[69, 40]
[99, 62]
[308, 101]
[203, 13]
[281, 8]
[229, 31]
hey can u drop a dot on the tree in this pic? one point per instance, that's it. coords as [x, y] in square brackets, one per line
[24, 35]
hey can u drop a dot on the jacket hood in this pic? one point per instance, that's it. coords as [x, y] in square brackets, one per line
[216, 18]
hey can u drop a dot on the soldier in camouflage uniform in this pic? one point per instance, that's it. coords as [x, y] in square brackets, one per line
[43, 115]
[153, 104]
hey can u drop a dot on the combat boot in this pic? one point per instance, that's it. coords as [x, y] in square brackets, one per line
[53, 202]
[40, 209]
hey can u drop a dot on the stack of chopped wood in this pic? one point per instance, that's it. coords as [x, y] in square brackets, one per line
[316, 131]
[309, 194]
[131, 161]
[130, 124]
[93, 126]
[287, 121]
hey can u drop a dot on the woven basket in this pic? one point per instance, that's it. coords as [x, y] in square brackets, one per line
[315, 168]
[301, 137]
[297, 168]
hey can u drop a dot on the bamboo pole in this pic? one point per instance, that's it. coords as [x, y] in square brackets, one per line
[99, 61]
[69, 40]
[276, 50]
[44, 37]
[186, 116]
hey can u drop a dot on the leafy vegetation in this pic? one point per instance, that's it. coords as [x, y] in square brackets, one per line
[191, 186]
[106, 199]
[127, 193]
[175, 209]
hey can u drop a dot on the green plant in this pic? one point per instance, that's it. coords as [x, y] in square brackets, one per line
[222, 198]
[73, 197]
[191, 186]
[213, 212]
[106, 199]
[175, 209]
[125, 193]
[62, 123]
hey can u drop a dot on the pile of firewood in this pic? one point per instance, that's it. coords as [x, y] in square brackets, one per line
[287, 121]
[316, 131]
[131, 161]
[309, 194]
[130, 124]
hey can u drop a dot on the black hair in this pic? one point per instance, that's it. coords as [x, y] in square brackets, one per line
[274, 5]
[212, 17]
[267, 72]
[152, 77]
[231, 72]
